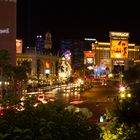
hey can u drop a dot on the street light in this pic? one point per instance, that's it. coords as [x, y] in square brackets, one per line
[122, 89]
[129, 95]
[124, 93]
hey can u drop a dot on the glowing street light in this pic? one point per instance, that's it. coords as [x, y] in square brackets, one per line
[122, 89]
[129, 95]
[122, 95]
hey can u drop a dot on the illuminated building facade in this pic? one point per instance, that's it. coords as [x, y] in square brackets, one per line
[116, 55]
[103, 56]
[76, 49]
[118, 52]
[64, 70]
[48, 64]
[8, 27]
[19, 46]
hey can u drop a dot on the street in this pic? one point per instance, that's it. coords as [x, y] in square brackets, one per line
[98, 99]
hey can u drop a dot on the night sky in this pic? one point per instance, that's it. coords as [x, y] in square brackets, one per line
[76, 19]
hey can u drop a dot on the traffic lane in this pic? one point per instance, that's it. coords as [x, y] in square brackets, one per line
[99, 94]
[98, 99]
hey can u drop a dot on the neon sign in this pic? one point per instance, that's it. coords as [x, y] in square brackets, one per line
[4, 31]
[119, 34]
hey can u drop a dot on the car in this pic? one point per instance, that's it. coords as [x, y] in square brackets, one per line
[42, 98]
[76, 101]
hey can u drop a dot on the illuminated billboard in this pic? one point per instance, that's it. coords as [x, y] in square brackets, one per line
[8, 28]
[119, 45]
[89, 60]
[116, 35]
[89, 54]
[18, 46]
[89, 57]
[118, 62]
[119, 49]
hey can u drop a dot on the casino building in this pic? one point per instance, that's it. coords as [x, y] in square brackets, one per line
[114, 55]
[40, 58]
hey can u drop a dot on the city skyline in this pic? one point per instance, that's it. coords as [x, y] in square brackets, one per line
[76, 20]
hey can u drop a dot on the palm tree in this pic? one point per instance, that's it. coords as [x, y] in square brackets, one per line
[21, 75]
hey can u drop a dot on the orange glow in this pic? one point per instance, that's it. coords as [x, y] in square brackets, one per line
[89, 54]
[18, 46]
[47, 65]
[119, 48]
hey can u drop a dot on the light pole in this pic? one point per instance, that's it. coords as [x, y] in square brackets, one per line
[94, 46]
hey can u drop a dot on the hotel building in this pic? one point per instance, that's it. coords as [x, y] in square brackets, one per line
[8, 27]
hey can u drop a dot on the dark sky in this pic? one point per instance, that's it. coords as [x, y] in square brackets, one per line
[76, 19]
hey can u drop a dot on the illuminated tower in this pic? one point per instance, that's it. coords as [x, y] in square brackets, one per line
[39, 45]
[48, 41]
[8, 27]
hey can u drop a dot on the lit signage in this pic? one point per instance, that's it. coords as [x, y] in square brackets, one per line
[4, 31]
[18, 46]
[90, 39]
[89, 57]
[89, 60]
[119, 49]
[118, 62]
[119, 34]
[89, 54]
[119, 44]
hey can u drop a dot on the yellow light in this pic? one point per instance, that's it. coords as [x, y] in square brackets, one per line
[104, 43]
[122, 95]
[129, 95]
[118, 55]
[110, 75]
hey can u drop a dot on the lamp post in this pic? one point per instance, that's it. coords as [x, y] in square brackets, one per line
[94, 46]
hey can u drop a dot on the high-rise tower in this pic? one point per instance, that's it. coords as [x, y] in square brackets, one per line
[8, 27]
[39, 45]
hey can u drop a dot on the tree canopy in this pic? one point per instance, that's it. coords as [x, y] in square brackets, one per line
[46, 122]
[124, 118]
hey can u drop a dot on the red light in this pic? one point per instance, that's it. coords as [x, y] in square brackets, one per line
[1, 113]
[8, 107]
[120, 85]
[85, 77]
[104, 78]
